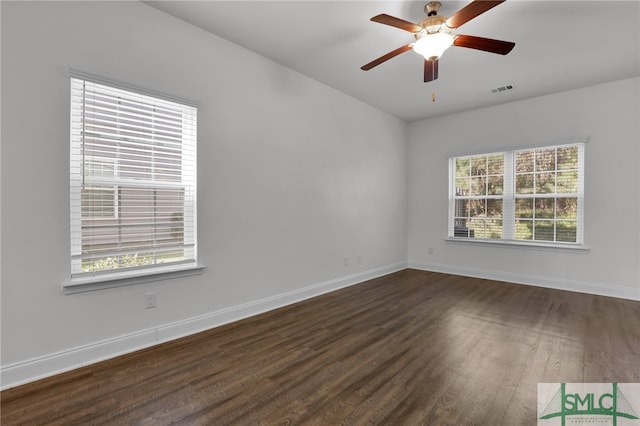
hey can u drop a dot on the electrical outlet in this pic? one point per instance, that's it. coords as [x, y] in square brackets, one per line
[358, 259]
[430, 250]
[149, 300]
[346, 261]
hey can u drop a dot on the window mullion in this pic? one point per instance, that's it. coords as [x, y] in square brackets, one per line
[580, 196]
[452, 194]
[509, 202]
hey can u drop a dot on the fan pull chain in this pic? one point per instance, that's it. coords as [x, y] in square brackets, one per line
[433, 84]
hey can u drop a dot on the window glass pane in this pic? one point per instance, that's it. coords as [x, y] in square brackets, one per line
[462, 208]
[567, 208]
[98, 202]
[485, 228]
[496, 164]
[477, 227]
[463, 166]
[494, 208]
[545, 159]
[524, 230]
[544, 208]
[494, 229]
[545, 183]
[568, 158]
[95, 264]
[478, 186]
[495, 185]
[524, 162]
[477, 208]
[463, 186]
[525, 183]
[524, 208]
[479, 166]
[544, 230]
[567, 231]
[567, 182]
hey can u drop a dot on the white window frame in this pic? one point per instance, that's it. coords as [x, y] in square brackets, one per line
[509, 202]
[83, 281]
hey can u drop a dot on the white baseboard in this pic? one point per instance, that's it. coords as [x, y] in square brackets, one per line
[59, 362]
[599, 289]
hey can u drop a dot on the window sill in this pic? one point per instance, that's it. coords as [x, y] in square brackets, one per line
[568, 247]
[119, 279]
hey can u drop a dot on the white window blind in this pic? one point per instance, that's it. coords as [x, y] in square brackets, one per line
[532, 195]
[133, 181]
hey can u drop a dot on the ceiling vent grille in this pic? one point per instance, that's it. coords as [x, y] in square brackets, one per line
[502, 88]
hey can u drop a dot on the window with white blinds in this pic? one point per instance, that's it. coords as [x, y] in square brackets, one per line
[532, 195]
[133, 181]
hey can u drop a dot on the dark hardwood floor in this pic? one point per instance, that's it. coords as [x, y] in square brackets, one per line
[409, 348]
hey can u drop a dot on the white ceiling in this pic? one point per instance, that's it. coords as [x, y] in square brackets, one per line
[560, 45]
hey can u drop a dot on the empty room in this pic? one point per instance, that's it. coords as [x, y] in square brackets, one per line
[320, 212]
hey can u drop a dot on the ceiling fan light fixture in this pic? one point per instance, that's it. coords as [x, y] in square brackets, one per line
[432, 46]
[434, 36]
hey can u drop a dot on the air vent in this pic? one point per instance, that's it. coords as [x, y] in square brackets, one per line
[502, 88]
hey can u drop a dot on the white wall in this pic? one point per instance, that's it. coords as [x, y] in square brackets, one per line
[609, 115]
[293, 177]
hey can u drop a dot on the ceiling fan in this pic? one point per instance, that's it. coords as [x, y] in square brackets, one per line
[434, 35]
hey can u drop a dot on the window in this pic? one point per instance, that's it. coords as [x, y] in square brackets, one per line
[532, 195]
[133, 182]
[548, 194]
[479, 192]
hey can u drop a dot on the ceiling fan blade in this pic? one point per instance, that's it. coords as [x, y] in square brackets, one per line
[481, 43]
[397, 22]
[430, 70]
[386, 57]
[470, 11]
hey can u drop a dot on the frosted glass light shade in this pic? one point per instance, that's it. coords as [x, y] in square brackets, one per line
[432, 46]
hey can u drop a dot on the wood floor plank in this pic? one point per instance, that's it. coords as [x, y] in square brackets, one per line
[410, 348]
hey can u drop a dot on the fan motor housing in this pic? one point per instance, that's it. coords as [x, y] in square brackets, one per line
[432, 24]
